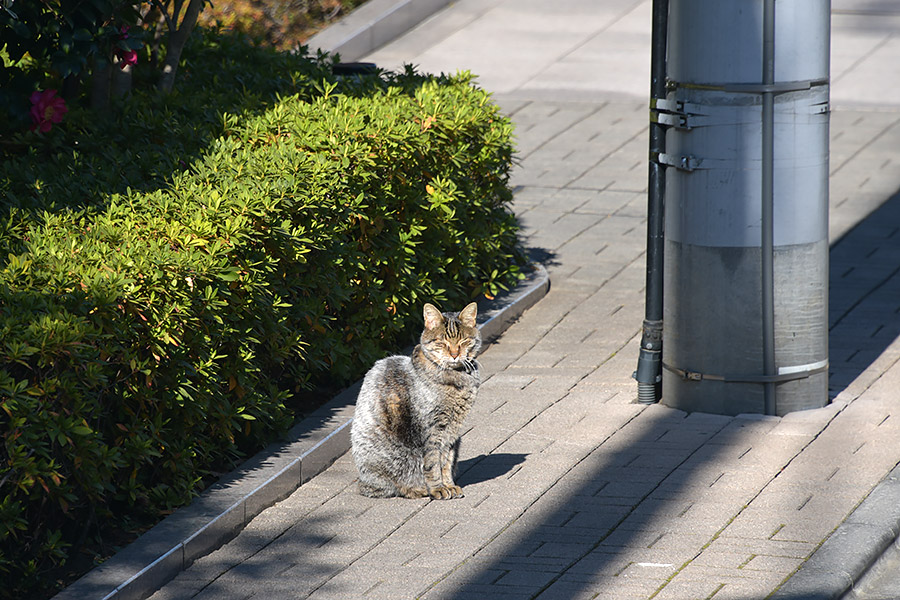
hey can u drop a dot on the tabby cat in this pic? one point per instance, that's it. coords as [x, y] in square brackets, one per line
[405, 433]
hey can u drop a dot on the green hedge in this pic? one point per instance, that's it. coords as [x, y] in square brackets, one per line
[162, 302]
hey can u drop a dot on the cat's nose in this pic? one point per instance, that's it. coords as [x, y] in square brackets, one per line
[454, 352]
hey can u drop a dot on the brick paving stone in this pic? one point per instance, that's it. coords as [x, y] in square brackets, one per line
[538, 563]
[180, 587]
[614, 588]
[693, 572]
[773, 452]
[581, 424]
[767, 564]
[543, 122]
[658, 539]
[760, 547]
[540, 535]
[568, 590]
[524, 578]
[473, 591]
[723, 560]
[601, 563]
[608, 202]
[381, 590]
[744, 589]
[685, 590]
[365, 581]
[481, 442]
[655, 571]
[761, 523]
[539, 358]
[493, 362]
[601, 519]
[568, 550]
[219, 591]
[696, 474]
[472, 574]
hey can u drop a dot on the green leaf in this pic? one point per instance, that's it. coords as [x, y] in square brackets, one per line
[229, 274]
[82, 35]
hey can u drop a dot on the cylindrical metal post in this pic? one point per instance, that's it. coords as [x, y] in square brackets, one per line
[649, 370]
[746, 254]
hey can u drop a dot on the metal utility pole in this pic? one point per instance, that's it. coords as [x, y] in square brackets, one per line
[746, 253]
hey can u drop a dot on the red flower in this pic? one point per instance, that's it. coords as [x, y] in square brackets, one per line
[126, 57]
[47, 110]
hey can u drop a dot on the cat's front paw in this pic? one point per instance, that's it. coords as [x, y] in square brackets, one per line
[446, 492]
[418, 492]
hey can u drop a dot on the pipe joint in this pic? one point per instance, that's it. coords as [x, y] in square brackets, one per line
[652, 336]
[649, 369]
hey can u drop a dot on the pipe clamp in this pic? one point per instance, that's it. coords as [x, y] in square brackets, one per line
[784, 374]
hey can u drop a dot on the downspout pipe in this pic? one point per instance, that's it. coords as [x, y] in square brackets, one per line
[649, 368]
[768, 204]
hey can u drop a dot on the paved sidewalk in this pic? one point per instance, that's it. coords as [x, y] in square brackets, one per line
[573, 490]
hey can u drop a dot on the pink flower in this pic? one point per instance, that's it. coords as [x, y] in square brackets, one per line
[47, 110]
[126, 57]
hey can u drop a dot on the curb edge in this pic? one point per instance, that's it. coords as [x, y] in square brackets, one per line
[371, 26]
[855, 545]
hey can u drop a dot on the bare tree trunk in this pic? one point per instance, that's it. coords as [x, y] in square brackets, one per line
[158, 30]
[120, 79]
[178, 37]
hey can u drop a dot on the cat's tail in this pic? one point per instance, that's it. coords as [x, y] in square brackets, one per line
[373, 491]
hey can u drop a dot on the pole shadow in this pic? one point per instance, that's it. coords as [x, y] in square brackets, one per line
[633, 496]
[864, 295]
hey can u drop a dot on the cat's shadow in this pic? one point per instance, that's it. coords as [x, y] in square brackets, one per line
[487, 466]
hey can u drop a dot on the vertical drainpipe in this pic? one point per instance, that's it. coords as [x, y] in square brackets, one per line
[649, 369]
[768, 206]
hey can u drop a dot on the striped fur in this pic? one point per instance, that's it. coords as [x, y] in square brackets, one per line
[405, 432]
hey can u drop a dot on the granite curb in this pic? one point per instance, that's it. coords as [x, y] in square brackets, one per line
[372, 25]
[843, 559]
[225, 508]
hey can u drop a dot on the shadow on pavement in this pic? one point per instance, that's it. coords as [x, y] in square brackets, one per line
[864, 294]
[636, 499]
[487, 466]
[623, 523]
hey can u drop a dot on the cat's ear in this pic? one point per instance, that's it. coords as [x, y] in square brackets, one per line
[433, 317]
[468, 314]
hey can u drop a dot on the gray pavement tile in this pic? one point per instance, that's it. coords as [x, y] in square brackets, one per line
[179, 589]
[474, 591]
[411, 584]
[225, 591]
[524, 578]
[680, 590]
[609, 587]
